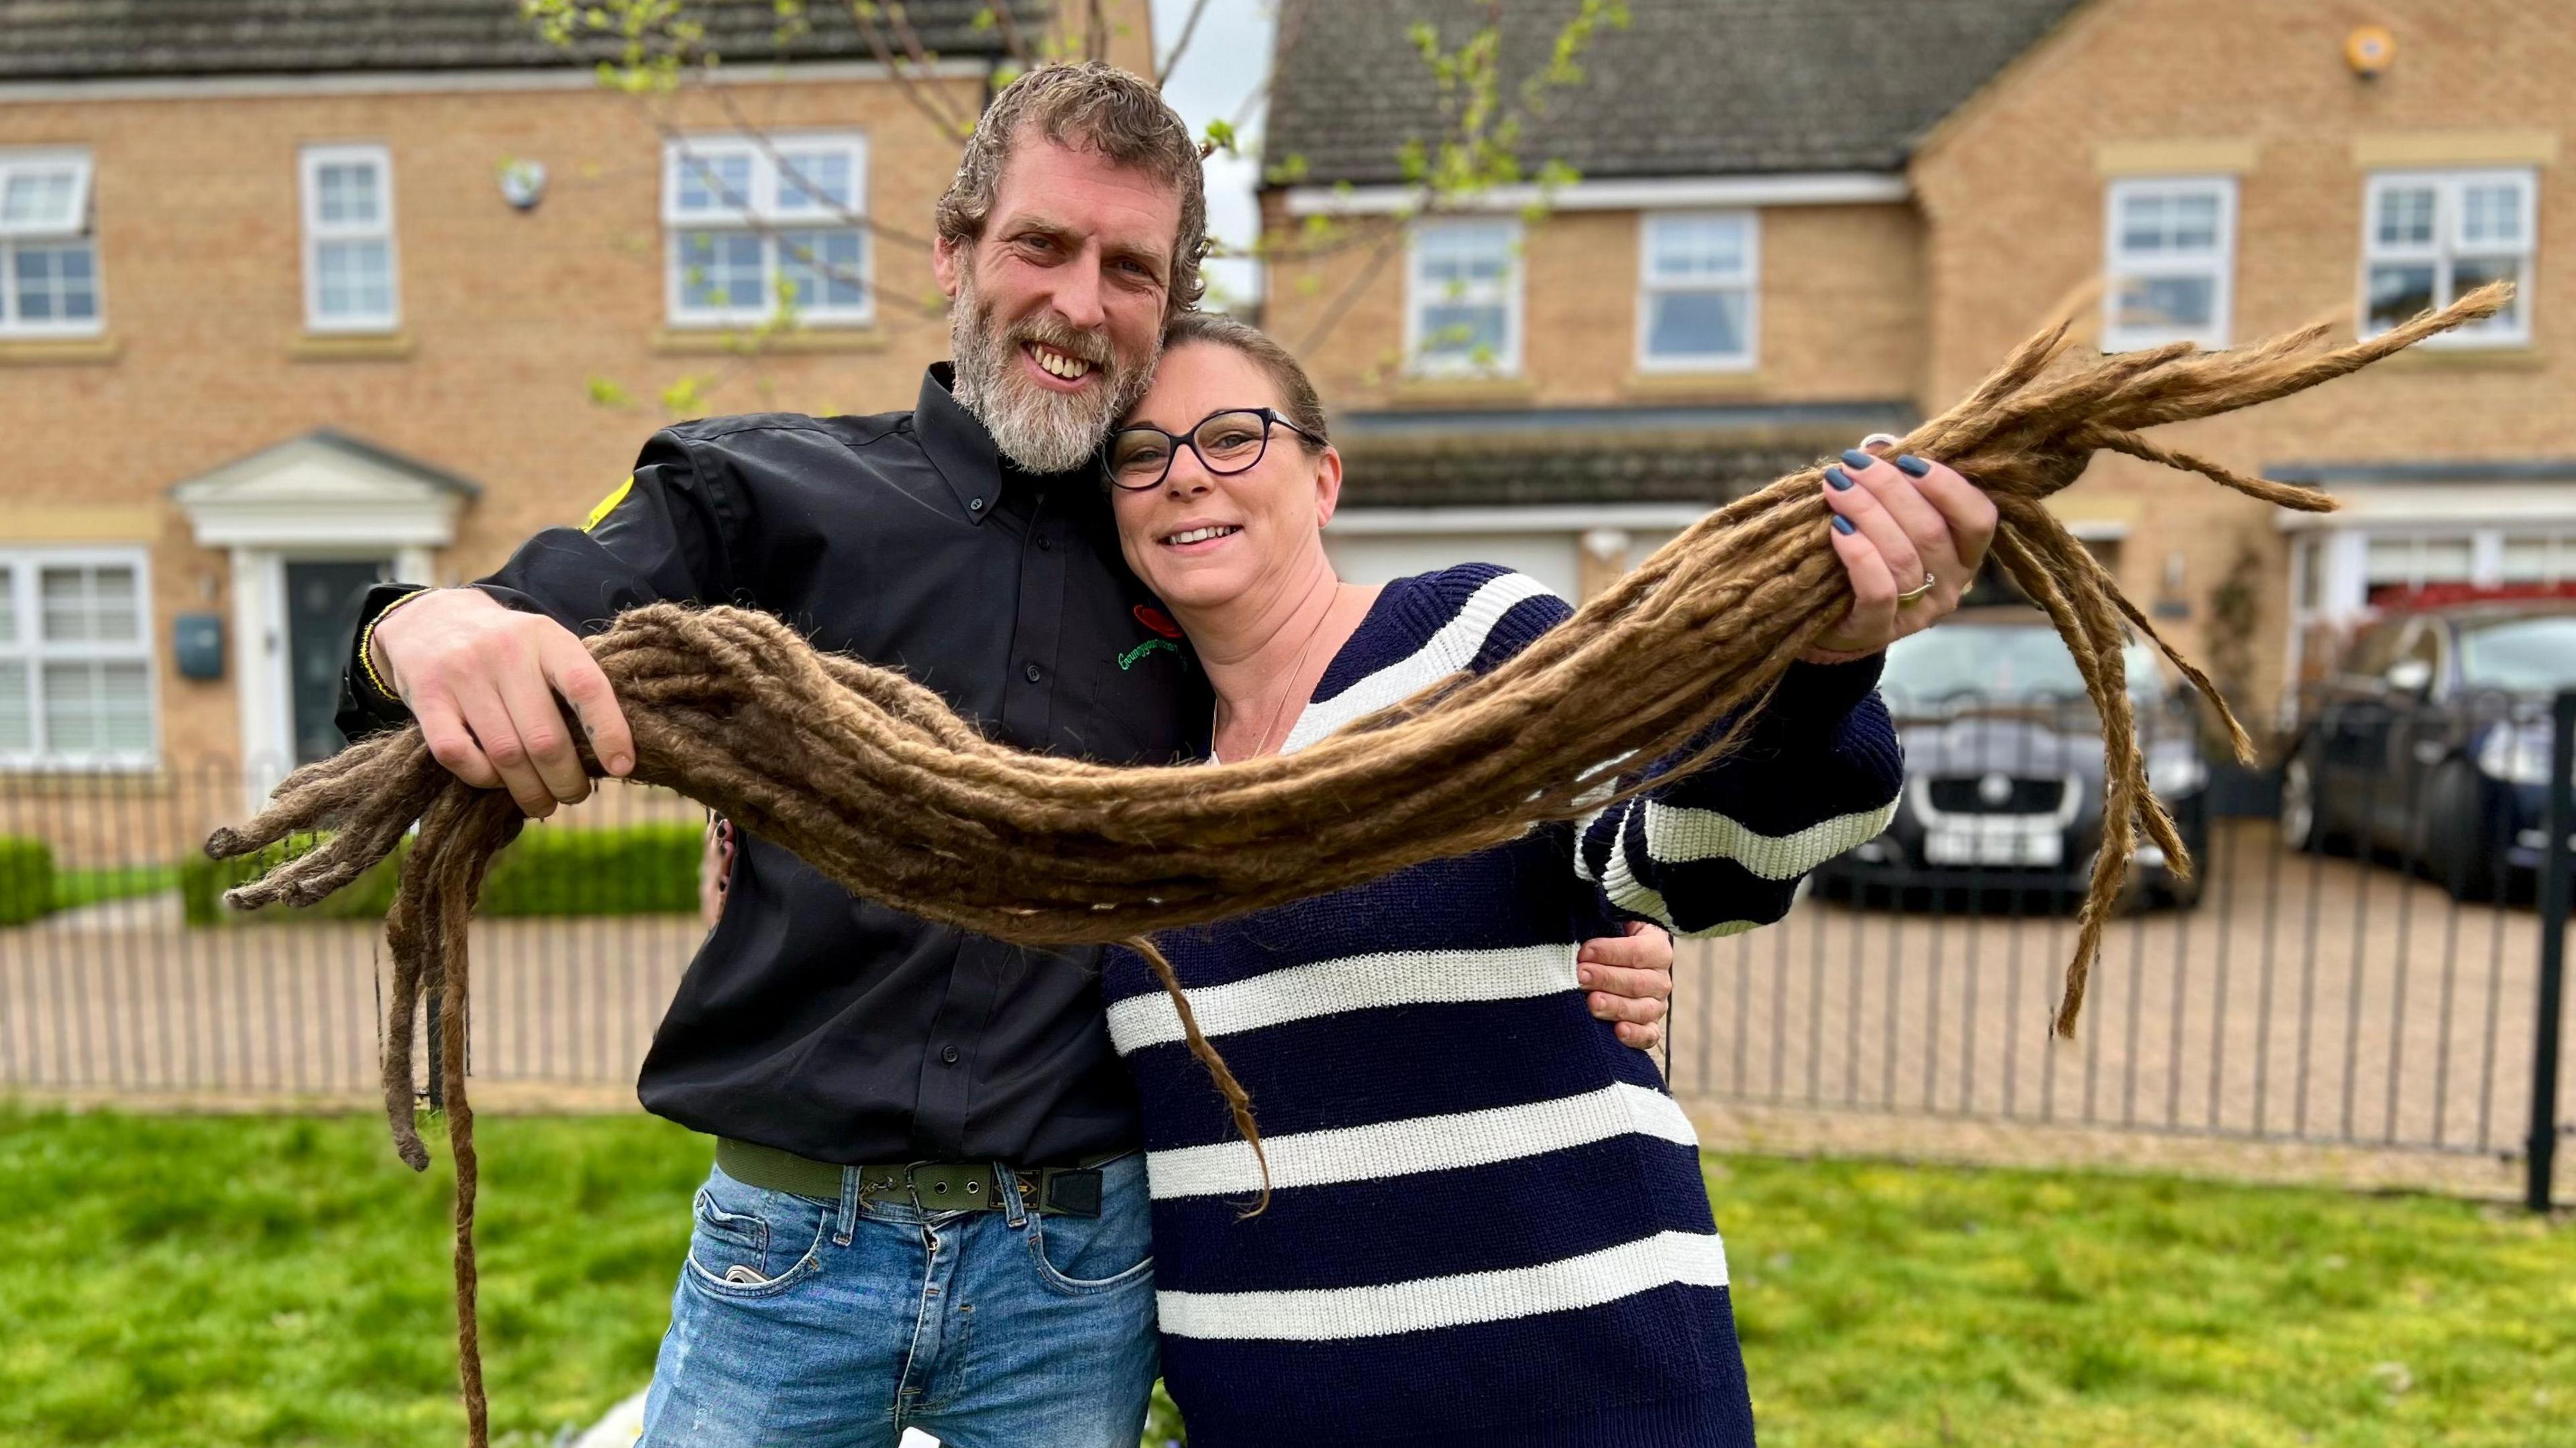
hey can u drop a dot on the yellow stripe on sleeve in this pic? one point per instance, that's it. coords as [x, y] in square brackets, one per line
[609, 504]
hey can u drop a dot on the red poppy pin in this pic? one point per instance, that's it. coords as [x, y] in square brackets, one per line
[1155, 619]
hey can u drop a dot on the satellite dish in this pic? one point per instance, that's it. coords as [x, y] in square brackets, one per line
[523, 183]
[2369, 50]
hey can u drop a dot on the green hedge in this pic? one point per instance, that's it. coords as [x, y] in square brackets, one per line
[26, 880]
[551, 870]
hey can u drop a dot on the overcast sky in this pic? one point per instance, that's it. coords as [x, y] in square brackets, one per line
[1217, 76]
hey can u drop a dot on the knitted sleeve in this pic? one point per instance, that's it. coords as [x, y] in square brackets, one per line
[1720, 851]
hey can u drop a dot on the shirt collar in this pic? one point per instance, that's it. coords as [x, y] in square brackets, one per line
[963, 452]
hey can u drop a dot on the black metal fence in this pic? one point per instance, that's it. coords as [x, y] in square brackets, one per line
[2331, 974]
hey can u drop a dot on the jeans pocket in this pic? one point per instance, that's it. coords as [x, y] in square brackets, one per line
[1093, 1254]
[751, 1242]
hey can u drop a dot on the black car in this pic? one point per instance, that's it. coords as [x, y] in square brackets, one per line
[2003, 770]
[2430, 742]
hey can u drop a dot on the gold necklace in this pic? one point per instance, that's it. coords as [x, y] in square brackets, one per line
[1294, 669]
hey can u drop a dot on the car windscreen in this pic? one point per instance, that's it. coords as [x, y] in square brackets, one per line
[2521, 655]
[1967, 664]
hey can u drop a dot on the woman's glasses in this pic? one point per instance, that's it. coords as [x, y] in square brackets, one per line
[1228, 442]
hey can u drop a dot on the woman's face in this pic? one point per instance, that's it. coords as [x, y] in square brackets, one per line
[1206, 540]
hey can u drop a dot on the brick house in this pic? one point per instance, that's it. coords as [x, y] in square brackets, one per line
[294, 295]
[1799, 223]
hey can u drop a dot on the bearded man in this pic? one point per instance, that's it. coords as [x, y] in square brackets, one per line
[928, 1207]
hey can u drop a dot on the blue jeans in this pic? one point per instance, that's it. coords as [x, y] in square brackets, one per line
[835, 1325]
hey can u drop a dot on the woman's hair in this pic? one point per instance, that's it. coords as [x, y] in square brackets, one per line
[1297, 400]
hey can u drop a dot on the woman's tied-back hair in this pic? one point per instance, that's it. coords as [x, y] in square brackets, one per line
[1297, 399]
[1094, 107]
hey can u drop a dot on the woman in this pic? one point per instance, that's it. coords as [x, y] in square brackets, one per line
[1488, 1224]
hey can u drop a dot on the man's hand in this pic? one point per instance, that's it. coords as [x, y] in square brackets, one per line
[488, 685]
[1631, 980]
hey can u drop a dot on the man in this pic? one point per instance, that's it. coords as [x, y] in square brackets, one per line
[929, 1207]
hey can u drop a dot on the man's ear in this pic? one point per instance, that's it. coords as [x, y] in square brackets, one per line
[945, 259]
[1328, 485]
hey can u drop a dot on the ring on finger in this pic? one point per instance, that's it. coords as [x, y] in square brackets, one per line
[1916, 593]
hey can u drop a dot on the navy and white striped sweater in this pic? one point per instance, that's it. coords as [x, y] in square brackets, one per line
[1488, 1225]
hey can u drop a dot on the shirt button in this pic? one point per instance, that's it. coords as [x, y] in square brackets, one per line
[1045, 544]
[1033, 673]
[974, 505]
[949, 1054]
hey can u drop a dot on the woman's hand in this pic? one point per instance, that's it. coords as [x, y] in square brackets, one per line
[1630, 978]
[1912, 535]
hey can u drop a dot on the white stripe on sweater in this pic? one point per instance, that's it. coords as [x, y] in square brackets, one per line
[1446, 652]
[1678, 834]
[1350, 983]
[1419, 1144]
[1335, 1313]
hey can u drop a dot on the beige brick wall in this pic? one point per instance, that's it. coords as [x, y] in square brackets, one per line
[1840, 314]
[2013, 189]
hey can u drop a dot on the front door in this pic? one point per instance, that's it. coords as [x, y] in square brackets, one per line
[322, 601]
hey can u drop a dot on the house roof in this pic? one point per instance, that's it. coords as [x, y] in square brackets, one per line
[339, 447]
[1705, 456]
[1689, 88]
[103, 39]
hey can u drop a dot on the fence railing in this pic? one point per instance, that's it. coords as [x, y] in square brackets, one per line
[2335, 972]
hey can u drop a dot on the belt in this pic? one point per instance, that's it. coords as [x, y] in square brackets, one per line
[933, 1186]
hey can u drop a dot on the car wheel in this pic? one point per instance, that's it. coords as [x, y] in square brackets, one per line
[2303, 826]
[2459, 849]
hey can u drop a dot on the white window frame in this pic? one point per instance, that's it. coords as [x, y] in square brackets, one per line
[2118, 265]
[31, 648]
[761, 211]
[2447, 247]
[309, 164]
[1511, 291]
[14, 162]
[1649, 288]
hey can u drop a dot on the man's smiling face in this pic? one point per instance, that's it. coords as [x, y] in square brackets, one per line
[1059, 305]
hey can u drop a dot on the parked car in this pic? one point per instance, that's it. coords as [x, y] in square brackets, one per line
[2003, 769]
[2430, 741]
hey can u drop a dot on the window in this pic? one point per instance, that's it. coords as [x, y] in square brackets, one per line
[48, 257]
[1696, 291]
[2429, 237]
[1465, 311]
[2540, 558]
[757, 228]
[75, 659]
[349, 283]
[2171, 258]
[2395, 566]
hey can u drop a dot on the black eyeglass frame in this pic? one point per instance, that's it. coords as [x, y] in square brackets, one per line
[1268, 416]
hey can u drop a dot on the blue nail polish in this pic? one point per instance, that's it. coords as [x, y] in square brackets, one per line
[1912, 466]
[1837, 479]
[1843, 524]
[1855, 458]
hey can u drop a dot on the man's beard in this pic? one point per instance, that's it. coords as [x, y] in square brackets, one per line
[1041, 430]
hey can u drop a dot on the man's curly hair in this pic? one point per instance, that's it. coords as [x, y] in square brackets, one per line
[1096, 107]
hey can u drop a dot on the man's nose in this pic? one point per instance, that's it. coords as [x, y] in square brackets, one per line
[1077, 292]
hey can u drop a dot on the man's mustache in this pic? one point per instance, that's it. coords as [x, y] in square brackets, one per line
[1051, 330]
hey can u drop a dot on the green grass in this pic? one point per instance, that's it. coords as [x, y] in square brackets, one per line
[75, 888]
[220, 1281]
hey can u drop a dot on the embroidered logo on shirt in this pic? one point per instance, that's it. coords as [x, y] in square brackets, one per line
[1128, 659]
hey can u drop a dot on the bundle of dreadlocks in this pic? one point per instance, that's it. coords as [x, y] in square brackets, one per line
[874, 782]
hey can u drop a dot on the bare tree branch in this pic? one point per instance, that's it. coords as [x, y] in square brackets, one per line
[1180, 46]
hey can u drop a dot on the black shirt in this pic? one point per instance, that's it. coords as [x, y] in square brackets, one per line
[810, 1020]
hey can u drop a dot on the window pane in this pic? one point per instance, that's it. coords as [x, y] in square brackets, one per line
[2399, 292]
[1464, 254]
[1697, 324]
[2470, 273]
[2526, 560]
[37, 198]
[348, 194]
[2405, 216]
[821, 268]
[2491, 215]
[354, 278]
[2392, 560]
[2447, 560]
[2167, 303]
[814, 180]
[71, 708]
[1683, 248]
[125, 708]
[17, 721]
[715, 183]
[114, 617]
[720, 269]
[55, 283]
[1465, 332]
[2195, 222]
[66, 603]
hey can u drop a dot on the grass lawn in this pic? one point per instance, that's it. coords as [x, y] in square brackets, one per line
[219, 1281]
